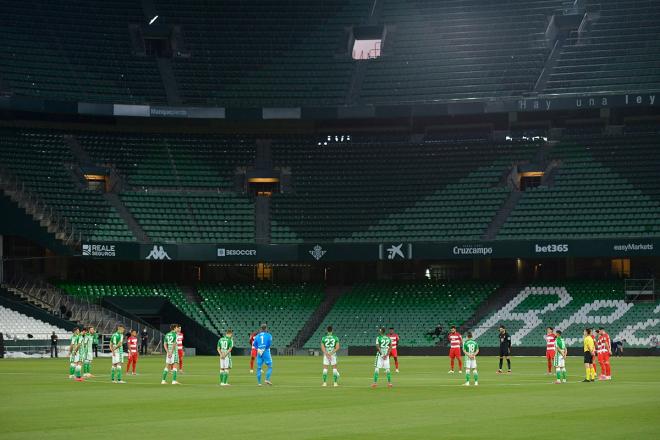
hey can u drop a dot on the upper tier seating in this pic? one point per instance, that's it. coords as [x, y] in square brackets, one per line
[619, 53]
[39, 159]
[442, 50]
[603, 187]
[361, 192]
[75, 50]
[263, 52]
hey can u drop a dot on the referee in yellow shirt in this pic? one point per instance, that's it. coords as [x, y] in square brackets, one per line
[589, 353]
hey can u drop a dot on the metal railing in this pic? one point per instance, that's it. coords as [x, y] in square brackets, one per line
[83, 311]
[36, 207]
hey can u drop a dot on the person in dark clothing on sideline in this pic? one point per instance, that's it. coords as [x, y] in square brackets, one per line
[53, 345]
[144, 341]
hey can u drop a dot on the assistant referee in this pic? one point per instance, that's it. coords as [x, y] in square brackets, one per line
[589, 353]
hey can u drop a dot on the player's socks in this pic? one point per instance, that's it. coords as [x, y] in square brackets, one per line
[165, 374]
[174, 374]
[467, 376]
[452, 364]
[119, 372]
[587, 375]
[78, 372]
[389, 376]
[72, 369]
[269, 371]
[335, 375]
[508, 364]
[112, 374]
[558, 373]
[376, 375]
[501, 361]
[460, 365]
[476, 376]
[259, 375]
[593, 372]
[396, 363]
[325, 375]
[563, 374]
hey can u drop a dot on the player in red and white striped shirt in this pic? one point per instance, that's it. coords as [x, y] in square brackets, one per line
[132, 342]
[604, 351]
[455, 344]
[550, 347]
[179, 347]
[395, 342]
[253, 351]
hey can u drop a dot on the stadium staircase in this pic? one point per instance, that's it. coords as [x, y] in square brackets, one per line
[123, 212]
[42, 214]
[502, 214]
[332, 294]
[83, 311]
[169, 81]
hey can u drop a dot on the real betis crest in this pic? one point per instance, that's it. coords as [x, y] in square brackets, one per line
[317, 252]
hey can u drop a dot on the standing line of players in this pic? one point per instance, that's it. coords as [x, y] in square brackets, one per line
[596, 346]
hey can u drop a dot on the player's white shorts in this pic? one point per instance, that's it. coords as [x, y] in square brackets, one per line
[382, 362]
[172, 358]
[470, 364]
[225, 363]
[332, 361]
[116, 357]
[89, 357]
[560, 361]
[75, 357]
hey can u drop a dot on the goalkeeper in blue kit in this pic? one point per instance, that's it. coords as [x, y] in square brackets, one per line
[262, 342]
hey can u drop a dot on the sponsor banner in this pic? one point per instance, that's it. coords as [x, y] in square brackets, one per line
[395, 251]
[390, 251]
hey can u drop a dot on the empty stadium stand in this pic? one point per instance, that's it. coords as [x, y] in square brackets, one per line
[603, 188]
[620, 52]
[42, 161]
[412, 308]
[15, 325]
[169, 291]
[243, 308]
[408, 191]
[459, 49]
[288, 57]
[76, 51]
[571, 306]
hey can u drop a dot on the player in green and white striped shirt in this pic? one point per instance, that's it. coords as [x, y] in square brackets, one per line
[383, 350]
[74, 355]
[471, 350]
[330, 347]
[171, 354]
[225, 345]
[561, 351]
[88, 343]
[117, 350]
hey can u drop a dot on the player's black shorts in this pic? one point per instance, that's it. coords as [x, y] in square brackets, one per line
[504, 352]
[588, 358]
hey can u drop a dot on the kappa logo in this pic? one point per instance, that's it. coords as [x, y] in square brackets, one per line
[158, 253]
[395, 251]
[317, 252]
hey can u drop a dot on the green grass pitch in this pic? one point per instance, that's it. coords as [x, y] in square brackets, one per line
[39, 401]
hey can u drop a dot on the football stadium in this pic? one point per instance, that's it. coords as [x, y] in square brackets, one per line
[329, 219]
